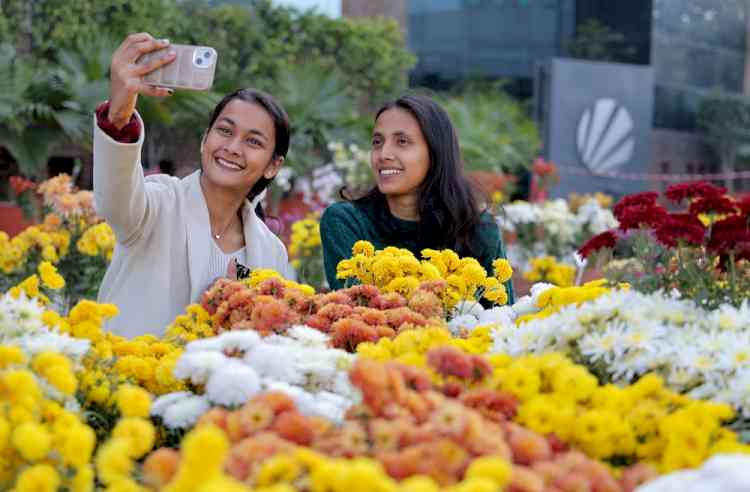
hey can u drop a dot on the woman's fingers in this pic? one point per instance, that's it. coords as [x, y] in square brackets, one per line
[151, 65]
[152, 90]
[138, 37]
[136, 50]
[232, 270]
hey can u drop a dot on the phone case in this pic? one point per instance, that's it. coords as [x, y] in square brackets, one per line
[193, 68]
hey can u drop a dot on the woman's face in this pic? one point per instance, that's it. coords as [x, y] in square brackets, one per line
[238, 148]
[400, 157]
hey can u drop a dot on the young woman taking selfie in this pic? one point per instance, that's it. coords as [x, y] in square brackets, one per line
[176, 236]
[422, 198]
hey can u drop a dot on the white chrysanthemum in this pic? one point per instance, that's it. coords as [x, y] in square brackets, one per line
[163, 402]
[199, 366]
[499, 315]
[20, 317]
[308, 336]
[634, 333]
[730, 318]
[600, 345]
[721, 473]
[212, 344]
[185, 412]
[463, 322]
[241, 340]
[342, 386]
[524, 305]
[471, 308]
[234, 383]
[73, 348]
[275, 362]
[302, 399]
[538, 289]
[328, 410]
[318, 369]
[735, 353]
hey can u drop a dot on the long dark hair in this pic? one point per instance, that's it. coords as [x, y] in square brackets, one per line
[449, 214]
[280, 123]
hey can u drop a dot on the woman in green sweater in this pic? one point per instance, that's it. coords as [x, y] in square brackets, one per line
[422, 199]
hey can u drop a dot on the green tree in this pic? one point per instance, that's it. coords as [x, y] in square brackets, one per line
[494, 130]
[726, 120]
[322, 68]
[596, 41]
[37, 112]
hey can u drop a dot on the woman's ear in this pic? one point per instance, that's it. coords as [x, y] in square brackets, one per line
[273, 167]
[203, 139]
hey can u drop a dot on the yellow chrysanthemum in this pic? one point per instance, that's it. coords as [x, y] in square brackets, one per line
[32, 440]
[133, 401]
[50, 278]
[38, 478]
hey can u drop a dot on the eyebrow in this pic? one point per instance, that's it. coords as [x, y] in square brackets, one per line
[397, 133]
[254, 131]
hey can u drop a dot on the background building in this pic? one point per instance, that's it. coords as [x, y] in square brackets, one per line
[694, 46]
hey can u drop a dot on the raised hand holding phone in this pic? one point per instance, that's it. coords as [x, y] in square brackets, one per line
[126, 75]
[193, 68]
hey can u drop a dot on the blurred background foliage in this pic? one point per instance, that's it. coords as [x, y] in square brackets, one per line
[330, 74]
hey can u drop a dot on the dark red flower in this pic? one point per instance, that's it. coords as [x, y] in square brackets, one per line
[696, 189]
[744, 206]
[683, 227]
[647, 198]
[729, 234]
[713, 205]
[606, 239]
[635, 216]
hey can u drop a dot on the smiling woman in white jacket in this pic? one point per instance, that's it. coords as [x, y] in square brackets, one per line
[176, 236]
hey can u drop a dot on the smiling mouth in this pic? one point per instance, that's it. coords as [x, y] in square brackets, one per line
[230, 165]
[390, 172]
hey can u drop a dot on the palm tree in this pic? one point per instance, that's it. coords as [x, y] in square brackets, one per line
[47, 104]
[27, 124]
[322, 112]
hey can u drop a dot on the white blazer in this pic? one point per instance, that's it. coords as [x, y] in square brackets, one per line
[163, 238]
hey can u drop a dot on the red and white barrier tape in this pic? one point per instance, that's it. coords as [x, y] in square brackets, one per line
[581, 171]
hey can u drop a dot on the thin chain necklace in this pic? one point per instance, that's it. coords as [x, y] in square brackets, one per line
[216, 236]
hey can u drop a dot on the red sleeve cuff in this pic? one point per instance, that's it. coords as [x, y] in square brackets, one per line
[129, 133]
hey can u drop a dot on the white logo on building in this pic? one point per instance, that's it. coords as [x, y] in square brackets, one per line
[605, 136]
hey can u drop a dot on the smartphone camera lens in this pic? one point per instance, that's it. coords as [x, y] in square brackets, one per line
[207, 55]
[199, 61]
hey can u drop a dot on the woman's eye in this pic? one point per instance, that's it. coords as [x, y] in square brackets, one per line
[255, 142]
[376, 141]
[403, 141]
[223, 131]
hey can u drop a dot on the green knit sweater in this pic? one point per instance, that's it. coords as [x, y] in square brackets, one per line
[345, 223]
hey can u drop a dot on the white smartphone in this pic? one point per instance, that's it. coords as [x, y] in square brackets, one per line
[193, 68]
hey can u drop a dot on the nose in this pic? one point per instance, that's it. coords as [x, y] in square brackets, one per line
[233, 146]
[386, 152]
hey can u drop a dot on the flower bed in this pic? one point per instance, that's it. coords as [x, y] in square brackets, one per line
[402, 382]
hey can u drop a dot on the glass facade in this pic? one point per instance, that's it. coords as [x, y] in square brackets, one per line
[695, 46]
[698, 46]
[460, 39]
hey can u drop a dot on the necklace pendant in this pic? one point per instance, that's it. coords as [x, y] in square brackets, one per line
[217, 236]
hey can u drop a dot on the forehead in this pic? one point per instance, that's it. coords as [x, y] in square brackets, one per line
[397, 120]
[248, 116]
